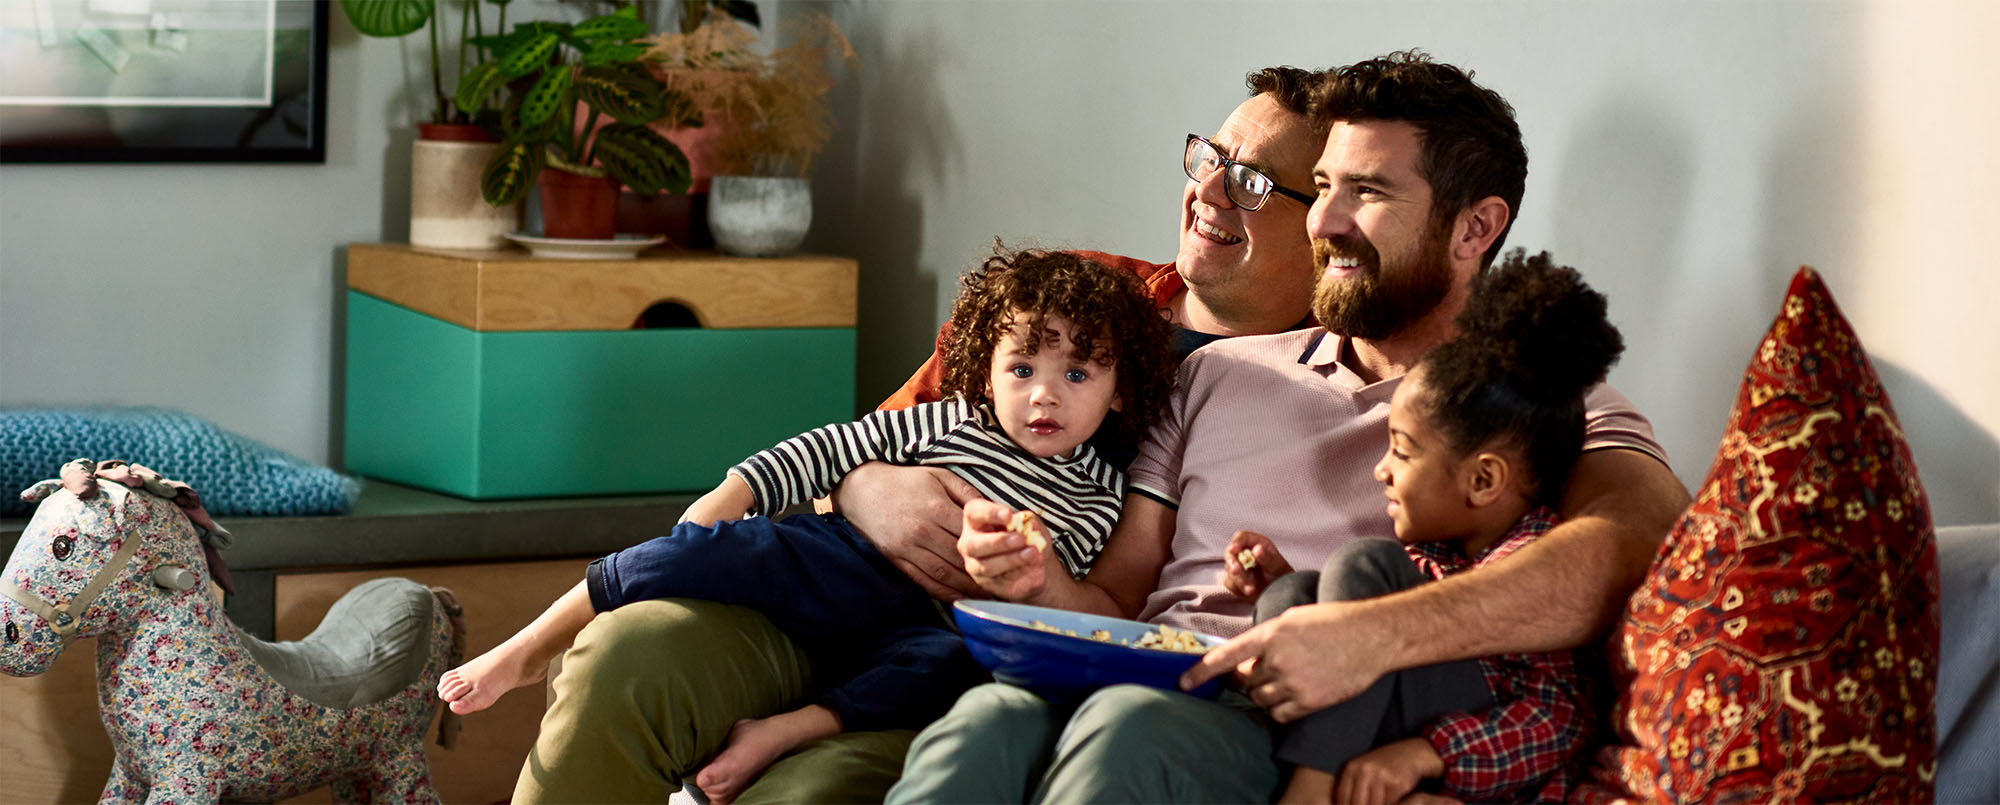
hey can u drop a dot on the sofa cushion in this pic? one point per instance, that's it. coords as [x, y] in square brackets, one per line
[1968, 702]
[1784, 646]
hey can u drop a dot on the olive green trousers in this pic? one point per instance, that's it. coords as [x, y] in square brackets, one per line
[649, 693]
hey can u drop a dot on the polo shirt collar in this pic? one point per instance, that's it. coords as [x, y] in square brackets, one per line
[1322, 354]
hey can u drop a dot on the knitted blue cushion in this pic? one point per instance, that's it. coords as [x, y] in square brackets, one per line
[235, 475]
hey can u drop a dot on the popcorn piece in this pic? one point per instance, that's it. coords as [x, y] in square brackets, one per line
[1247, 559]
[1168, 638]
[1029, 525]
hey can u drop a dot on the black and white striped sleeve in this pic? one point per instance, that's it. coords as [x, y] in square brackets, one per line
[808, 465]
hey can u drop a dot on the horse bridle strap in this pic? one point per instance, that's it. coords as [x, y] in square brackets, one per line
[64, 617]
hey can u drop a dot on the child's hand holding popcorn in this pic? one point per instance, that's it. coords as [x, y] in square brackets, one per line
[1006, 551]
[1251, 563]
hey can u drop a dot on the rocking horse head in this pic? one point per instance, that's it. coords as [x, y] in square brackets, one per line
[90, 562]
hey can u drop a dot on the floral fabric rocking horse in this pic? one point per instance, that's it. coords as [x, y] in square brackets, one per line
[197, 709]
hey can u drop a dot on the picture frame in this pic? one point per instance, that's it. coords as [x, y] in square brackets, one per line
[85, 81]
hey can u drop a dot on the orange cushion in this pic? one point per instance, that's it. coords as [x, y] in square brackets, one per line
[1784, 646]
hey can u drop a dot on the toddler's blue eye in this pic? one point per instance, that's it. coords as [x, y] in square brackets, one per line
[1076, 376]
[1023, 372]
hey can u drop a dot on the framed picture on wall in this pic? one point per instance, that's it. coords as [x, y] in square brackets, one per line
[163, 80]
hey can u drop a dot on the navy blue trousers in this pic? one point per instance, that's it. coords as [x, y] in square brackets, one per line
[885, 656]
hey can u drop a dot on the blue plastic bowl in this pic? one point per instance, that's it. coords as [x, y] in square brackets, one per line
[1066, 669]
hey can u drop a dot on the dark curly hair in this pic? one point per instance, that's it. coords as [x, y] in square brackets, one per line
[1472, 146]
[1532, 339]
[1112, 319]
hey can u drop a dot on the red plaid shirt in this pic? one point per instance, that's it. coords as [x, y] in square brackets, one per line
[1530, 746]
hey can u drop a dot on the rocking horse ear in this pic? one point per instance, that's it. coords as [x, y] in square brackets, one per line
[36, 493]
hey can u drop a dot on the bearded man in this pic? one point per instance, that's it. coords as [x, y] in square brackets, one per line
[1417, 186]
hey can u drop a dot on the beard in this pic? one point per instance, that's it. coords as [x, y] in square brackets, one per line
[1381, 299]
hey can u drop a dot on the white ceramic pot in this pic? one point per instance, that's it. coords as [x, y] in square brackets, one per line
[759, 216]
[446, 210]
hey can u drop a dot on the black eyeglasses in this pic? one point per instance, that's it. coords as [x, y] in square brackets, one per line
[1246, 187]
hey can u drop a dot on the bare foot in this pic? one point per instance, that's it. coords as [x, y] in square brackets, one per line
[1308, 785]
[475, 685]
[755, 743]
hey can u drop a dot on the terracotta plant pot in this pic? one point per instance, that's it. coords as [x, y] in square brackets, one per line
[446, 210]
[578, 207]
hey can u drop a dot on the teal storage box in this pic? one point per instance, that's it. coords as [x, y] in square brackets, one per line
[510, 411]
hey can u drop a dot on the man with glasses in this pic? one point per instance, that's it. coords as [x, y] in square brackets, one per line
[1419, 181]
[650, 691]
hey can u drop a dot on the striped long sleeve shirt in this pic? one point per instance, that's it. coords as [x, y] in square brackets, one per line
[1530, 746]
[1078, 496]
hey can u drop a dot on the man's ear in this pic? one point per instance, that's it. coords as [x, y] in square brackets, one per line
[1487, 478]
[1478, 226]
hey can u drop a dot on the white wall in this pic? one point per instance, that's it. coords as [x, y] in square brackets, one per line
[1686, 156]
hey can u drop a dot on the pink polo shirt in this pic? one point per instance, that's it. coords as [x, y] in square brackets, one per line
[1289, 451]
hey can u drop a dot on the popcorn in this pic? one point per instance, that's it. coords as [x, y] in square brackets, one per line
[1159, 638]
[1247, 559]
[1029, 525]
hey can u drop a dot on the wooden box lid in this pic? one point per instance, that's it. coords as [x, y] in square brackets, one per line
[507, 290]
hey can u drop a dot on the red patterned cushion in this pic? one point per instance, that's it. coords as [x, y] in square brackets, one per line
[1784, 646]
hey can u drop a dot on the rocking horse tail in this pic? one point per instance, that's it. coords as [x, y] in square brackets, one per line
[448, 721]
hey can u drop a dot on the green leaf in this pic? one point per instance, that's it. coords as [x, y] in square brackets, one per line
[641, 159]
[549, 93]
[682, 111]
[510, 173]
[529, 54]
[614, 53]
[625, 92]
[477, 85]
[616, 26]
[388, 17]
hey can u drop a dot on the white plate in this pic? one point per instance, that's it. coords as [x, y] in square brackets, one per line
[619, 247]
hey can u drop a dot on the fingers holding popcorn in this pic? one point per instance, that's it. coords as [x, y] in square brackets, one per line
[1251, 563]
[1001, 559]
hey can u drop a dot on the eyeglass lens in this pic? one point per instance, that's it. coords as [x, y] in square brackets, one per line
[1245, 186]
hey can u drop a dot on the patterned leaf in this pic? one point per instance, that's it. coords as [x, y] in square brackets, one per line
[627, 93]
[616, 53]
[510, 173]
[642, 159]
[528, 55]
[477, 85]
[388, 18]
[616, 26]
[547, 95]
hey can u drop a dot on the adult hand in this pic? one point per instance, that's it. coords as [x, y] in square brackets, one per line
[1001, 561]
[912, 514]
[1304, 660]
[1266, 565]
[1386, 773]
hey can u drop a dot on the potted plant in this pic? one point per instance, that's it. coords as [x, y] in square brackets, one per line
[578, 102]
[774, 122]
[452, 147]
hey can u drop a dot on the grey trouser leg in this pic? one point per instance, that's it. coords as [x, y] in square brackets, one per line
[993, 746]
[1125, 743]
[1129, 743]
[1398, 705]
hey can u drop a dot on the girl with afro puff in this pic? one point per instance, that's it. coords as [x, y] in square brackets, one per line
[1482, 436]
[1044, 347]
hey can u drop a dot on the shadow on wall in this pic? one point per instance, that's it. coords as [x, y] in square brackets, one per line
[1618, 212]
[868, 195]
[1957, 460]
